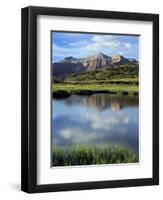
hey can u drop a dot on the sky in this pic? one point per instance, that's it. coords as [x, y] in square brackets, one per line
[81, 45]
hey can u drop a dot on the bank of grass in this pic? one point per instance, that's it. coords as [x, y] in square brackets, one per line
[92, 155]
[80, 88]
[129, 81]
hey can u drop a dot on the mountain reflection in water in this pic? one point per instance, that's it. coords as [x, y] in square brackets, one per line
[102, 101]
[95, 119]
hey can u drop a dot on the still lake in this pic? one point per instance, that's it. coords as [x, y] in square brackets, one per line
[96, 120]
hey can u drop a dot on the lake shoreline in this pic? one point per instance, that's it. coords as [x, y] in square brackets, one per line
[64, 94]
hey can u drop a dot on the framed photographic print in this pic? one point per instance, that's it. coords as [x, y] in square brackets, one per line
[90, 99]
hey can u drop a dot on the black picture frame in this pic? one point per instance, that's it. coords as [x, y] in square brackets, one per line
[29, 99]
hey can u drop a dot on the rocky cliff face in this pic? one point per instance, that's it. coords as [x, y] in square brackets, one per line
[96, 62]
[119, 60]
[71, 65]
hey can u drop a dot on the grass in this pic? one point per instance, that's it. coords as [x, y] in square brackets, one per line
[91, 155]
[72, 88]
[130, 81]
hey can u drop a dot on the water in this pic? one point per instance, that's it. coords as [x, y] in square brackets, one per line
[95, 119]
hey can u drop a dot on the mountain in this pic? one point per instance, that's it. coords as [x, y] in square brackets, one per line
[69, 59]
[71, 65]
[96, 62]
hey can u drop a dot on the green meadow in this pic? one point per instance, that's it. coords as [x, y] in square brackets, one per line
[79, 88]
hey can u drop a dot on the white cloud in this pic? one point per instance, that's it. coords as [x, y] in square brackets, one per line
[127, 45]
[78, 135]
[102, 38]
[79, 43]
[101, 43]
[101, 122]
[109, 123]
[107, 41]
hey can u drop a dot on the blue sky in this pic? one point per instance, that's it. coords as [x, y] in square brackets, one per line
[80, 45]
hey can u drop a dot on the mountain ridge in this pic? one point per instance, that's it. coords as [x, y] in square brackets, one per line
[71, 65]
